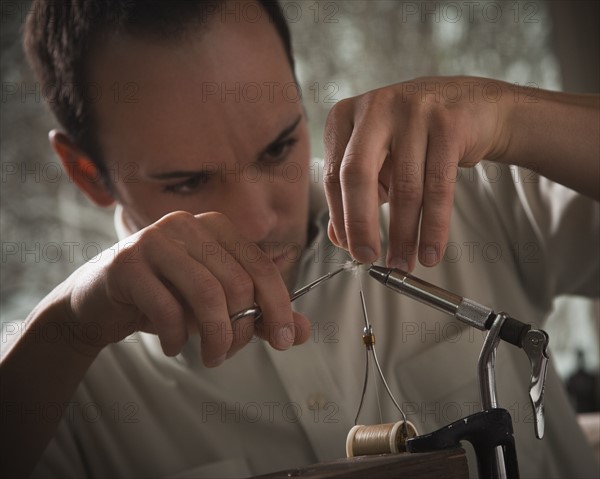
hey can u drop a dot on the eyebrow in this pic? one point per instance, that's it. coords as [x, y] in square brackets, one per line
[284, 133]
[186, 174]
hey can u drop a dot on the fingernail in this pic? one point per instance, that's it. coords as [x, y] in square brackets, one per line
[285, 337]
[216, 362]
[429, 256]
[364, 254]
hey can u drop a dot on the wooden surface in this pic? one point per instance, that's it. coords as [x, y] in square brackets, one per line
[449, 464]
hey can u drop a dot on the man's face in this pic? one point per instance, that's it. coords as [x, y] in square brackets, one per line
[209, 122]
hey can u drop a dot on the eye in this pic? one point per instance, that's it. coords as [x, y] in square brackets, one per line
[279, 151]
[188, 186]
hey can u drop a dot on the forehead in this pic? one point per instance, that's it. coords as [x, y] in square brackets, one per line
[228, 85]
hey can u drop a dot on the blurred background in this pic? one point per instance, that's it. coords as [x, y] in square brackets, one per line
[342, 48]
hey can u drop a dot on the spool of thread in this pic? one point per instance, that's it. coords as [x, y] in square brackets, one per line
[379, 438]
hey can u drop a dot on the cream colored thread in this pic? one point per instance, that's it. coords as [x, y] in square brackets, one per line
[379, 438]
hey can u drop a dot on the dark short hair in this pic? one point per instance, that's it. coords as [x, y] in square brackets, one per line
[59, 34]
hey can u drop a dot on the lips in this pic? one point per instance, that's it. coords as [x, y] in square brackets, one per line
[281, 253]
[285, 262]
[284, 254]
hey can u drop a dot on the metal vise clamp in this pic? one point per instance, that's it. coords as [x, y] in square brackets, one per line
[533, 341]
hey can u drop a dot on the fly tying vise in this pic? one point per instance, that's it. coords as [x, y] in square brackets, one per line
[490, 430]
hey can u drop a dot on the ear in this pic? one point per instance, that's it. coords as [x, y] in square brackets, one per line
[81, 169]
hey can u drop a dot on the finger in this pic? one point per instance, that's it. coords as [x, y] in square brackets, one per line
[270, 291]
[302, 328]
[203, 292]
[365, 154]
[203, 248]
[244, 330]
[273, 298]
[438, 197]
[216, 255]
[298, 332]
[405, 193]
[237, 284]
[332, 235]
[338, 130]
[158, 305]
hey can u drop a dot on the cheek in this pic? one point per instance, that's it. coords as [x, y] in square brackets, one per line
[296, 176]
[292, 207]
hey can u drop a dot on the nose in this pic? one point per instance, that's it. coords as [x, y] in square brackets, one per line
[250, 206]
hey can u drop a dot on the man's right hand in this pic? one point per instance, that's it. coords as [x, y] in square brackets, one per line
[183, 275]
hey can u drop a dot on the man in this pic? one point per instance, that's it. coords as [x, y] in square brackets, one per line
[213, 221]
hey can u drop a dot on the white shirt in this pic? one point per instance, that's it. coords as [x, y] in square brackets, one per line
[516, 241]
